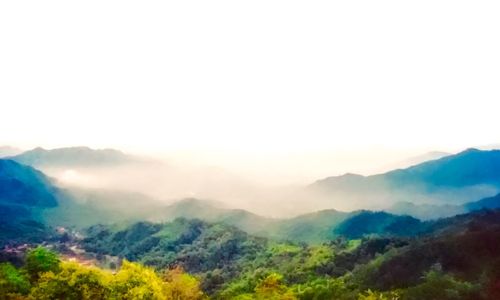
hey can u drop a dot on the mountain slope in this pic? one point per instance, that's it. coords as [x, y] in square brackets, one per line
[24, 194]
[24, 185]
[466, 246]
[470, 167]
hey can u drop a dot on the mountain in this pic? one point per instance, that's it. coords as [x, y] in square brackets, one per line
[486, 203]
[24, 194]
[9, 151]
[467, 168]
[24, 185]
[452, 179]
[73, 157]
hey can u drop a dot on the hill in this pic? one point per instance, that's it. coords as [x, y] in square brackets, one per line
[378, 223]
[212, 211]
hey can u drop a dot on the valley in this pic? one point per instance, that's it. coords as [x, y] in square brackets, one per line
[408, 250]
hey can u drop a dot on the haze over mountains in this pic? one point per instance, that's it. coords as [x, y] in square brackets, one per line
[9, 151]
[450, 185]
[453, 179]
[431, 189]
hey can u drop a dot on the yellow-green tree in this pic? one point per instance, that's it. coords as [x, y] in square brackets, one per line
[73, 282]
[137, 282]
[182, 286]
[273, 288]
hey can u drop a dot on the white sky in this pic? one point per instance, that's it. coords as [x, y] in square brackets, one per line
[257, 77]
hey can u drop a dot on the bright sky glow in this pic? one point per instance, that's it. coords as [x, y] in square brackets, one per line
[254, 77]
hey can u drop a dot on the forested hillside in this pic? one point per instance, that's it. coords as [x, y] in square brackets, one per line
[457, 254]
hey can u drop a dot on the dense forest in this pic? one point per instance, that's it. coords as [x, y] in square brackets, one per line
[457, 258]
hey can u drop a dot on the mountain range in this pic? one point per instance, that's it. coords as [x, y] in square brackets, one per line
[453, 179]
[26, 194]
[73, 156]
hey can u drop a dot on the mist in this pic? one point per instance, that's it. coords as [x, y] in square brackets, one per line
[272, 186]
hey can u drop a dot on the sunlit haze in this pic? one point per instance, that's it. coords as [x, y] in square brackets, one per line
[288, 89]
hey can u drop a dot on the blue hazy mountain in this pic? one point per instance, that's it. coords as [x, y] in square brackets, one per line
[455, 178]
[486, 203]
[470, 167]
[432, 211]
[24, 185]
[24, 194]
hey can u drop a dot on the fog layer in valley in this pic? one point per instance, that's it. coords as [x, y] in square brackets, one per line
[275, 191]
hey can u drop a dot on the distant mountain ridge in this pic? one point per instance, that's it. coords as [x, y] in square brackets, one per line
[454, 179]
[73, 156]
[432, 212]
[469, 167]
[9, 151]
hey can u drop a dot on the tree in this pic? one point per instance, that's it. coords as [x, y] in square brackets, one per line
[442, 286]
[12, 282]
[137, 282]
[372, 295]
[73, 282]
[182, 286]
[40, 260]
[272, 287]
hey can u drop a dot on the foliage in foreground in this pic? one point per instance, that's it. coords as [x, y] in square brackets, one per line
[44, 276]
